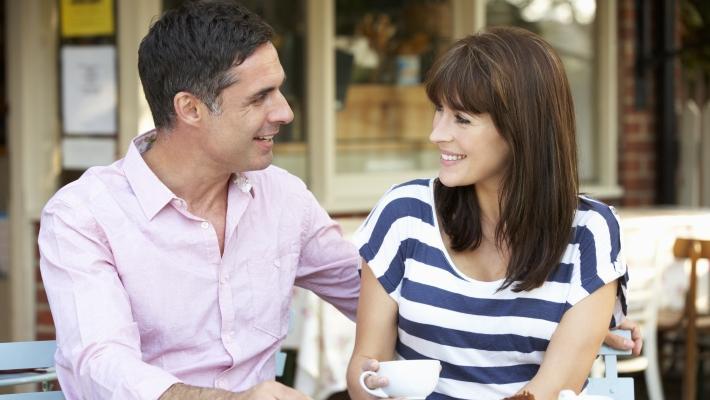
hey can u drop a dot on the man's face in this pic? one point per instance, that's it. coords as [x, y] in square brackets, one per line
[240, 135]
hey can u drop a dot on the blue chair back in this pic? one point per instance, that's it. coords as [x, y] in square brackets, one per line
[28, 362]
[611, 385]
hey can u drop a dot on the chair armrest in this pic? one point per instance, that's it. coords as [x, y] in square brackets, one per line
[28, 377]
[608, 351]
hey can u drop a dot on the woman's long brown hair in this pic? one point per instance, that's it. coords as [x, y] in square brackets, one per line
[514, 76]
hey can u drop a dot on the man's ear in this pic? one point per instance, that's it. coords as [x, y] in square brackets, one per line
[188, 108]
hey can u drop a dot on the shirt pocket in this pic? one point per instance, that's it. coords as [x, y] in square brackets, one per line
[271, 284]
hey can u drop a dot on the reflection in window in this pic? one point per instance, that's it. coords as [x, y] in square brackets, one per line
[570, 27]
[286, 17]
[383, 48]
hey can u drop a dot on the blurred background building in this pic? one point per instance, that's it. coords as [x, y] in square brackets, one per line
[71, 98]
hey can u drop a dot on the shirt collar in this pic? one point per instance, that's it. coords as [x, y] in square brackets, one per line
[151, 192]
[243, 183]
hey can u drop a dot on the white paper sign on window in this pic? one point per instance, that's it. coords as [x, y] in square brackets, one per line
[89, 93]
[85, 152]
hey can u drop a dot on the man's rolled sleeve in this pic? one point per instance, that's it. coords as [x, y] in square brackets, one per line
[98, 340]
[328, 265]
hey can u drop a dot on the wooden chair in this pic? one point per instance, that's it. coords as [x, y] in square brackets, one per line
[688, 324]
[611, 385]
[28, 362]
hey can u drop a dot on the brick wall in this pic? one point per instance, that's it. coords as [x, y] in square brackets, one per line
[637, 126]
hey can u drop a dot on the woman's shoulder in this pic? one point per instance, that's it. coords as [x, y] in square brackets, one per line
[597, 217]
[589, 208]
[410, 192]
[412, 199]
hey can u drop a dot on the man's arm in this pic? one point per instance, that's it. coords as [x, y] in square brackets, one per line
[98, 340]
[264, 391]
[181, 391]
[328, 264]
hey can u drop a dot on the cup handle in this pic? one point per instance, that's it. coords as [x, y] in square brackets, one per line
[375, 392]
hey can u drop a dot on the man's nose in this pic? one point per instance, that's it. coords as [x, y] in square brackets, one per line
[282, 112]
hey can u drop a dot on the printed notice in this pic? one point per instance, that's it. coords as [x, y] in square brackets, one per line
[89, 93]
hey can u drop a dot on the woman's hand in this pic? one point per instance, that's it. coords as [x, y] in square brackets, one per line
[373, 381]
[620, 343]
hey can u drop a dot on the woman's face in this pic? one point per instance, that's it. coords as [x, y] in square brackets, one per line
[472, 150]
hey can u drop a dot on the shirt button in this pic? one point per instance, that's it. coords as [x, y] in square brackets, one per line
[224, 279]
[205, 225]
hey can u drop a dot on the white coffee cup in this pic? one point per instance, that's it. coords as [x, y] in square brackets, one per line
[410, 379]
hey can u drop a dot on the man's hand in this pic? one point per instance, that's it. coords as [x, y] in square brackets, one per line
[270, 390]
[618, 342]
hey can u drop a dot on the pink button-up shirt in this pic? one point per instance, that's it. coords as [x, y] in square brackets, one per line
[142, 298]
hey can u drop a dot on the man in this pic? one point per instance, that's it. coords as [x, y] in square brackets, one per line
[169, 273]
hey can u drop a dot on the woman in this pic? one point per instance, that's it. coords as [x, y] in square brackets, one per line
[498, 268]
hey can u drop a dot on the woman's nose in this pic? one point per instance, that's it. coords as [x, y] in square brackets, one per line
[439, 130]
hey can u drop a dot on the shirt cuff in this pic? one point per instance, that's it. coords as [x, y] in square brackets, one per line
[153, 385]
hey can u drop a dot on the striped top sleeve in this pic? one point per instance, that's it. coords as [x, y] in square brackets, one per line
[382, 239]
[598, 239]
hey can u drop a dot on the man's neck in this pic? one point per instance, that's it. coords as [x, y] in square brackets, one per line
[185, 171]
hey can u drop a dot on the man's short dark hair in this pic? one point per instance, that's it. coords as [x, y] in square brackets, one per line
[192, 49]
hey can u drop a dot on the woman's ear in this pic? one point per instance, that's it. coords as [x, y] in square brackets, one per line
[187, 108]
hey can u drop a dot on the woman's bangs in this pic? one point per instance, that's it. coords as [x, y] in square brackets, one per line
[459, 83]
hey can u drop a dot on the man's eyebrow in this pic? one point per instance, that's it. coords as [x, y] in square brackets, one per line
[260, 94]
[263, 92]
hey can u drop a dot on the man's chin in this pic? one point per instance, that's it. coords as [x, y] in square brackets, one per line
[262, 164]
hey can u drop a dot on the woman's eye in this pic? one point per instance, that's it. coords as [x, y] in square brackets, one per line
[438, 108]
[461, 120]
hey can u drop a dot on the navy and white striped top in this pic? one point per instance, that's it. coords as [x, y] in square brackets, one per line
[490, 343]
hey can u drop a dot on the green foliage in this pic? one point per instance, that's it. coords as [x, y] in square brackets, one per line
[695, 35]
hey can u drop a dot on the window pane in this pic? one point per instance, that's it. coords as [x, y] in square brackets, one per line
[383, 50]
[569, 26]
[287, 19]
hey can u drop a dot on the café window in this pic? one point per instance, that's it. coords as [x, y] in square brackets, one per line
[570, 27]
[383, 50]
